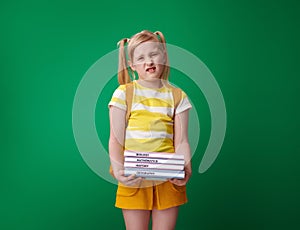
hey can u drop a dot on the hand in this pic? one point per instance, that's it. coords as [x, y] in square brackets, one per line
[182, 182]
[131, 180]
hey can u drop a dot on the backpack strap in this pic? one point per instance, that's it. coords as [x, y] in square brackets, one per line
[177, 95]
[129, 95]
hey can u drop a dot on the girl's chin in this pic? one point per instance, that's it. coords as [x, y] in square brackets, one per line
[153, 76]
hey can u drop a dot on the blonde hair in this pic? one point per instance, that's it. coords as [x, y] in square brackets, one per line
[132, 43]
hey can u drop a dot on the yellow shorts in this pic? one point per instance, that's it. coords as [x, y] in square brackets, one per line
[157, 196]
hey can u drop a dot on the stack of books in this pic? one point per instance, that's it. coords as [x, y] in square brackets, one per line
[154, 166]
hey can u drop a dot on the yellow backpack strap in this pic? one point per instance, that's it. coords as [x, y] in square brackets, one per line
[129, 95]
[177, 97]
[177, 94]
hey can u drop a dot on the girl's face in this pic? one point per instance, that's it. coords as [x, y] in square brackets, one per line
[148, 61]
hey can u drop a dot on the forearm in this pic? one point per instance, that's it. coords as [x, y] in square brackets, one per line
[116, 155]
[182, 145]
[184, 148]
[116, 139]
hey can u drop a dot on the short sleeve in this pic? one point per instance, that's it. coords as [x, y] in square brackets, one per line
[119, 98]
[184, 104]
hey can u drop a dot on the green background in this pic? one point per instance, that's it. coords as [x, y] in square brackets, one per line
[252, 49]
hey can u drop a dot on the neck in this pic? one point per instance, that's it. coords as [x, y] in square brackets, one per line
[157, 83]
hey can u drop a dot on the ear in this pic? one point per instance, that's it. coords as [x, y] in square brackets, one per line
[131, 65]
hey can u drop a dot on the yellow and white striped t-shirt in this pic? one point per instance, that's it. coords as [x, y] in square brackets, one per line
[150, 126]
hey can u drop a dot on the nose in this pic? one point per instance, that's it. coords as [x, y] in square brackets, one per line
[149, 61]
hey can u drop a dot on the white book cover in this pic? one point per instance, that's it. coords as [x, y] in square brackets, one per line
[146, 173]
[154, 160]
[153, 166]
[154, 155]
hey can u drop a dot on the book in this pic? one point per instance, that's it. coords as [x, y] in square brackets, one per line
[154, 160]
[154, 173]
[153, 166]
[128, 153]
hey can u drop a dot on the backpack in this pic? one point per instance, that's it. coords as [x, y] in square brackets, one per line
[176, 92]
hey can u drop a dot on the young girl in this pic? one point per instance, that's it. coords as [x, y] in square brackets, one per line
[154, 125]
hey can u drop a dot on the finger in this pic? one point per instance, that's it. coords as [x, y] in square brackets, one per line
[173, 181]
[131, 177]
[125, 179]
[178, 182]
[120, 173]
[134, 181]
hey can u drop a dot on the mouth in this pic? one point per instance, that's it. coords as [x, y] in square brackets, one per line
[151, 69]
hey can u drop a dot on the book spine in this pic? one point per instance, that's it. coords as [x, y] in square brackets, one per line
[154, 173]
[153, 166]
[154, 160]
[153, 155]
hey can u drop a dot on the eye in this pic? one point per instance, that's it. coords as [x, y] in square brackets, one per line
[153, 54]
[140, 59]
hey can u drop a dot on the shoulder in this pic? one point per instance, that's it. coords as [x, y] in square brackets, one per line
[183, 94]
[119, 97]
[121, 88]
[178, 92]
[119, 91]
[184, 103]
